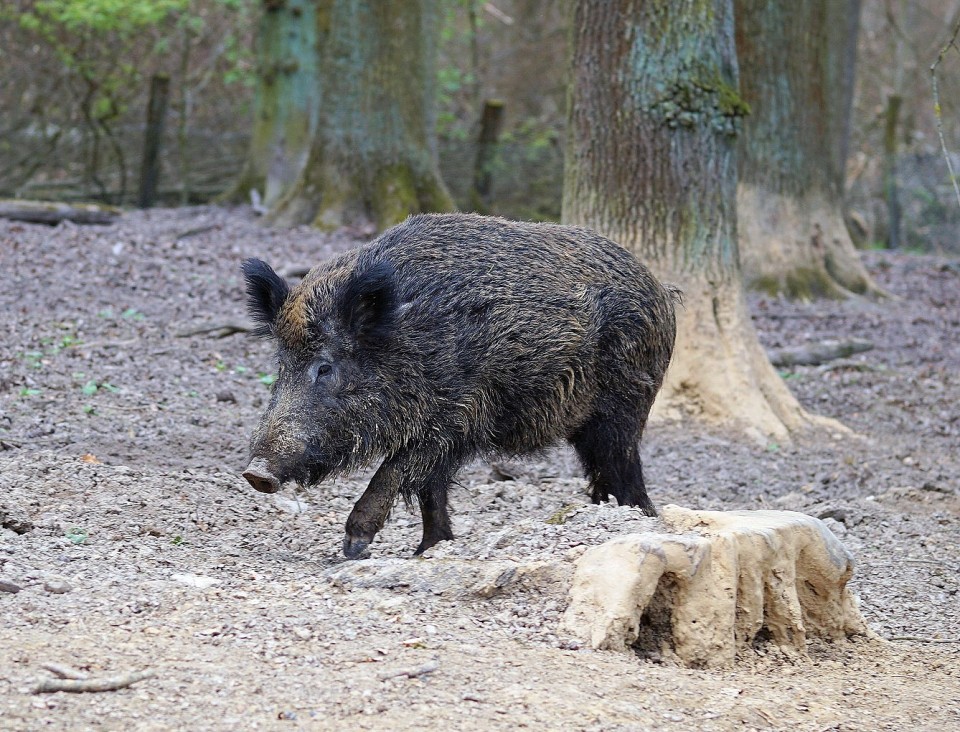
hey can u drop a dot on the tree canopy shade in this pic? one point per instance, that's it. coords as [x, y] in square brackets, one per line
[344, 112]
[797, 61]
[653, 121]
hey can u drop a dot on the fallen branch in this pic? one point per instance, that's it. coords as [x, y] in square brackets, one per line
[921, 639]
[65, 672]
[52, 212]
[411, 673]
[818, 353]
[226, 329]
[107, 683]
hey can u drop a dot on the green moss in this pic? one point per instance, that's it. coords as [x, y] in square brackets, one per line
[802, 283]
[701, 96]
[729, 101]
[561, 515]
[393, 196]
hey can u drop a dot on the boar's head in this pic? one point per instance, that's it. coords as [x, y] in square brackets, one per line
[332, 333]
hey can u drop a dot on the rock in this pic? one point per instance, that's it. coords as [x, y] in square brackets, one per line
[195, 580]
[295, 507]
[706, 591]
[10, 587]
[458, 577]
[57, 586]
[15, 519]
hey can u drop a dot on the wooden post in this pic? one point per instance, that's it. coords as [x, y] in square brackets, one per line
[153, 139]
[491, 122]
[890, 185]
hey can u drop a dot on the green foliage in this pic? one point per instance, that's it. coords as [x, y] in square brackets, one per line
[95, 39]
[456, 77]
[121, 16]
[77, 535]
[107, 49]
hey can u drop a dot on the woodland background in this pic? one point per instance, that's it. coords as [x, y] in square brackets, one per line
[76, 79]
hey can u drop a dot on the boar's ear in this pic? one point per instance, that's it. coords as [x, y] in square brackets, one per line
[266, 293]
[367, 302]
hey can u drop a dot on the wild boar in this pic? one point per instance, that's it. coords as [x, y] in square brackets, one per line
[455, 336]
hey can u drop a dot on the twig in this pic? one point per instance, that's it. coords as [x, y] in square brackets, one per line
[105, 344]
[107, 683]
[938, 110]
[227, 328]
[847, 365]
[920, 639]
[411, 673]
[196, 232]
[65, 672]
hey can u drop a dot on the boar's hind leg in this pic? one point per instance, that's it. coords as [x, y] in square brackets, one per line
[436, 520]
[609, 449]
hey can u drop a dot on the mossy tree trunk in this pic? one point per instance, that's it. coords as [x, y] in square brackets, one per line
[797, 74]
[286, 102]
[372, 150]
[653, 121]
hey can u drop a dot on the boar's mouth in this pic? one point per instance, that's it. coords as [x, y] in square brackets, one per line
[263, 478]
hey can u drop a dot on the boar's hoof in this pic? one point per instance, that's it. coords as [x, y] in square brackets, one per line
[355, 547]
[261, 478]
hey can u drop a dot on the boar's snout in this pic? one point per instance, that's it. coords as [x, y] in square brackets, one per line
[259, 476]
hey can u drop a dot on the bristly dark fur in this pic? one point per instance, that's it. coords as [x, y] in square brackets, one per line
[266, 293]
[368, 304]
[457, 336]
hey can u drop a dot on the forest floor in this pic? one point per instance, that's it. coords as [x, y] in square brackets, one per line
[137, 546]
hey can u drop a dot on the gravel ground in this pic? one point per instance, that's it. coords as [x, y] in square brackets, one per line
[136, 546]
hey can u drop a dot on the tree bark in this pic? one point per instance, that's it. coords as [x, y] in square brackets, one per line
[153, 140]
[362, 147]
[797, 61]
[286, 102]
[891, 191]
[653, 121]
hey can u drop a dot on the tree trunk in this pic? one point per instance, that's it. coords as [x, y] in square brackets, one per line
[286, 99]
[797, 61]
[372, 151]
[891, 191]
[153, 140]
[653, 118]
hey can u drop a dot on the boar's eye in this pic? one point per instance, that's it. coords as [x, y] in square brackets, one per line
[319, 369]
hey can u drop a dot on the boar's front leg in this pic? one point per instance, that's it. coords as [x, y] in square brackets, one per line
[370, 513]
[402, 473]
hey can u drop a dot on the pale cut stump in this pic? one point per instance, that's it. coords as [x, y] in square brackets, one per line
[706, 591]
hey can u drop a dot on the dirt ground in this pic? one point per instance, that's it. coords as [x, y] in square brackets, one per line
[136, 546]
